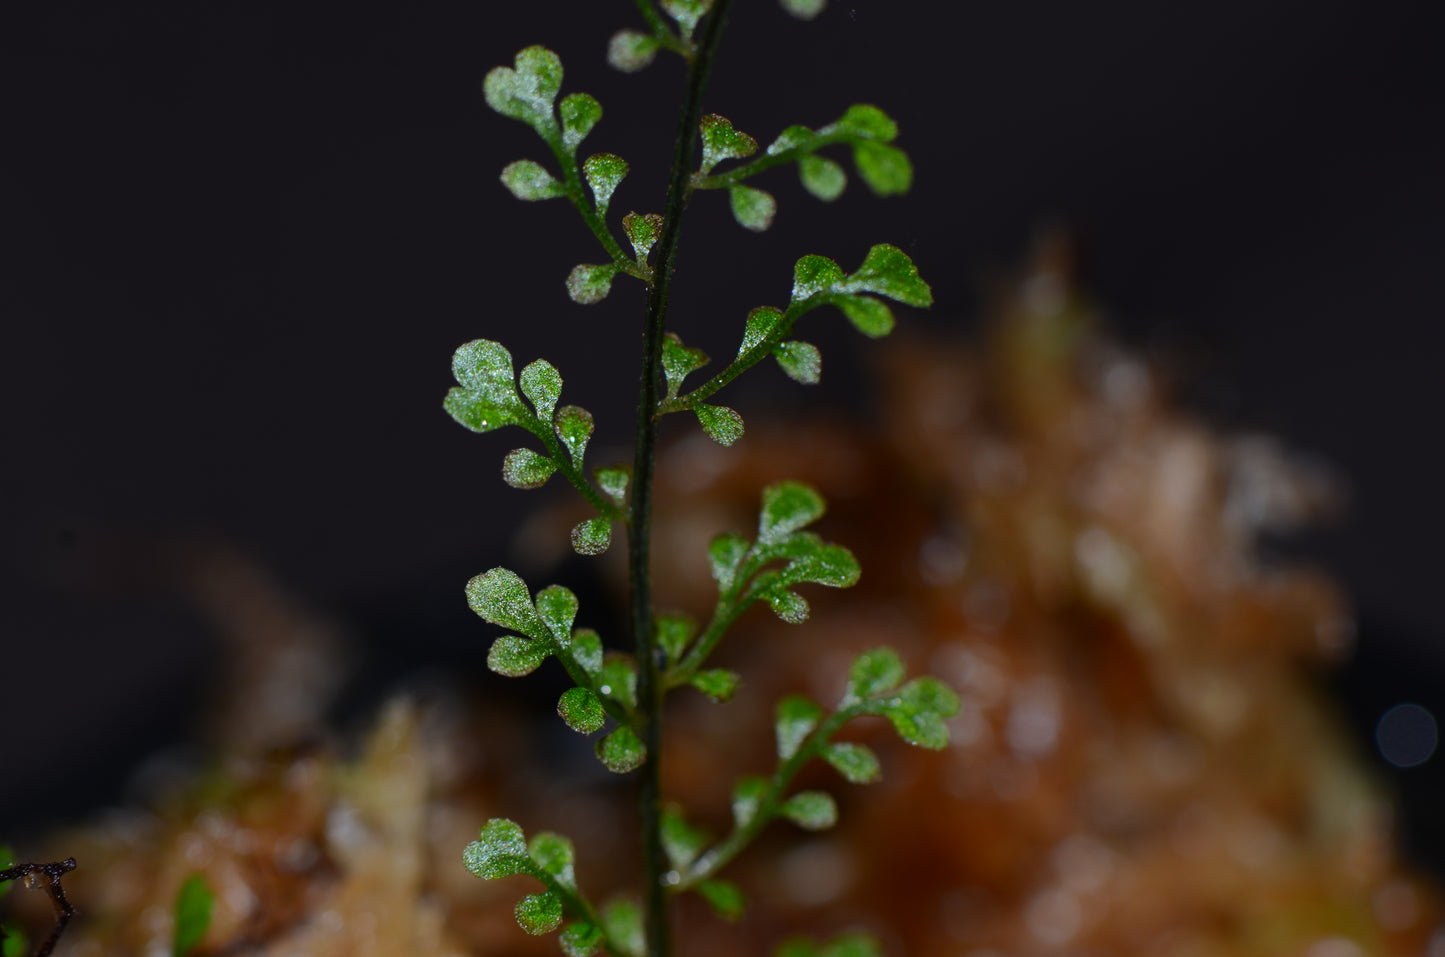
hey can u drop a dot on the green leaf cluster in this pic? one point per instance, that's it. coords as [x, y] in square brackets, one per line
[527, 91]
[606, 684]
[783, 556]
[869, 131]
[195, 902]
[486, 397]
[502, 850]
[887, 273]
[783, 553]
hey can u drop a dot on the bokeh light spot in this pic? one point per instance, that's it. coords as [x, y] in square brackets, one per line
[1407, 735]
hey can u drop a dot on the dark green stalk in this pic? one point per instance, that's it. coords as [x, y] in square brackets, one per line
[639, 552]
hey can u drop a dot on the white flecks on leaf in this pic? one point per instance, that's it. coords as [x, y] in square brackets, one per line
[587, 650]
[528, 180]
[588, 283]
[724, 897]
[787, 507]
[719, 684]
[524, 468]
[580, 112]
[593, 536]
[822, 177]
[621, 751]
[797, 717]
[557, 607]
[722, 424]
[642, 231]
[673, 634]
[864, 121]
[791, 138]
[539, 913]
[574, 426]
[800, 361]
[581, 939]
[581, 710]
[804, 9]
[886, 169]
[811, 810]
[604, 171]
[630, 51]
[514, 657]
[789, 606]
[725, 553]
[542, 385]
[869, 316]
[747, 798]
[720, 141]
[814, 275]
[485, 368]
[856, 762]
[761, 323]
[526, 90]
[678, 361]
[501, 597]
[613, 481]
[680, 840]
[500, 851]
[873, 673]
[687, 13]
[754, 209]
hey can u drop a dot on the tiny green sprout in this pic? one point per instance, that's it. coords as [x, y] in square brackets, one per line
[856, 762]
[528, 180]
[617, 695]
[721, 142]
[811, 810]
[630, 51]
[725, 898]
[804, 9]
[622, 920]
[523, 468]
[723, 425]
[621, 751]
[753, 208]
[604, 172]
[797, 716]
[582, 710]
[822, 177]
[539, 913]
[674, 634]
[680, 840]
[527, 90]
[194, 904]
[719, 684]
[499, 851]
[592, 536]
[687, 13]
[581, 939]
[587, 284]
[580, 112]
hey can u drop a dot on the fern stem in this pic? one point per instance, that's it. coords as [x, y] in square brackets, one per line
[639, 553]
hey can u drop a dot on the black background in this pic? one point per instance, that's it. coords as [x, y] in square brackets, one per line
[238, 243]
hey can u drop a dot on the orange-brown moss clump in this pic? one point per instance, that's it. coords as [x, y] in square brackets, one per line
[1142, 765]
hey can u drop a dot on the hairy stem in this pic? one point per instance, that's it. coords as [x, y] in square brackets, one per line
[639, 552]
